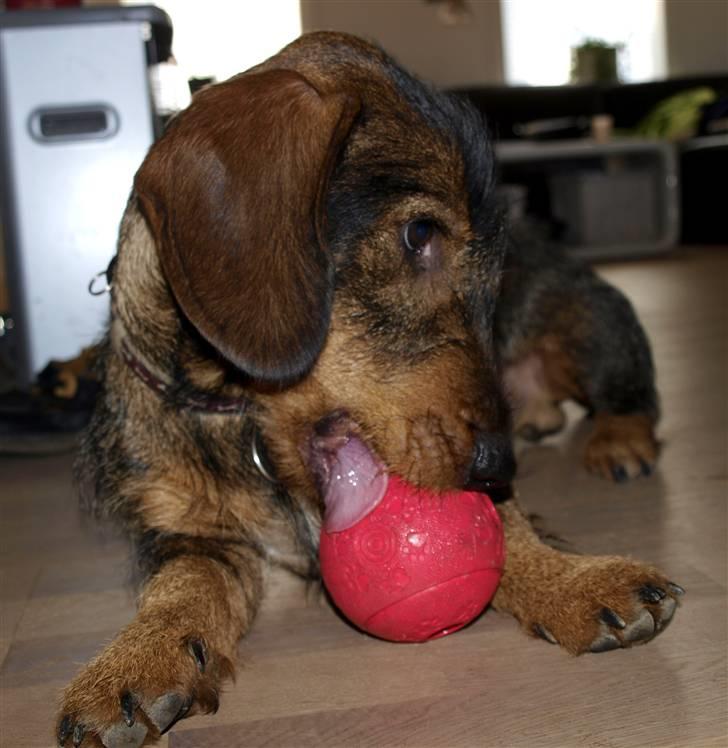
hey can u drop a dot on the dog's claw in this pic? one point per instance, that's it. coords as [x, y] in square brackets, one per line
[667, 611]
[651, 594]
[544, 633]
[79, 732]
[605, 643]
[215, 703]
[676, 589]
[181, 714]
[128, 705]
[197, 650]
[619, 473]
[65, 728]
[612, 619]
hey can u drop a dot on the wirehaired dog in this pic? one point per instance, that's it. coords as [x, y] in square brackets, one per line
[312, 257]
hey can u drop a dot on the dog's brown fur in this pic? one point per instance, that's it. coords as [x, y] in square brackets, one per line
[261, 263]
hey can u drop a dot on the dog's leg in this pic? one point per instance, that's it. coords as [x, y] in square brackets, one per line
[622, 443]
[568, 335]
[535, 402]
[169, 662]
[583, 603]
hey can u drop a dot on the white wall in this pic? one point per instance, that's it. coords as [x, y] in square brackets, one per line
[471, 54]
[697, 36]
[411, 31]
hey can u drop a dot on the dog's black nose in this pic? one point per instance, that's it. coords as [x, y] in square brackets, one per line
[493, 463]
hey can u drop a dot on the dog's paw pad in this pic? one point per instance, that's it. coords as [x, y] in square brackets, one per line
[121, 735]
[167, 710]
[641, 629]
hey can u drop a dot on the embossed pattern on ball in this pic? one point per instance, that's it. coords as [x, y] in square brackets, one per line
[420, 566]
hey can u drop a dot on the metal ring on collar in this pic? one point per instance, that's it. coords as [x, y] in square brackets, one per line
[95, 289]
[257, 449]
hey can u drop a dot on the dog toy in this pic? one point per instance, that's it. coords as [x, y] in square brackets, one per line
[418, 566]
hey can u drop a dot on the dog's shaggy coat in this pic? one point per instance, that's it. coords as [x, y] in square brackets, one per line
[313, 254]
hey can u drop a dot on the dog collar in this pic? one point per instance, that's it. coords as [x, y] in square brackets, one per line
[200, 402]
[197, 402]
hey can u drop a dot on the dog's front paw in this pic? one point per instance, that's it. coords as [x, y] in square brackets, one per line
[621, 446]
[146, 680]
[603, 603]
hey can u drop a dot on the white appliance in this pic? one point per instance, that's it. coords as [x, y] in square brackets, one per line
[76, 119]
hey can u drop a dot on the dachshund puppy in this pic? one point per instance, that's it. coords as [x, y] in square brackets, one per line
[312, 258]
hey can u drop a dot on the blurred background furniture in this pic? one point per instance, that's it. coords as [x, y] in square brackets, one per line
[617, 198]
[658, 193]
[76, 118]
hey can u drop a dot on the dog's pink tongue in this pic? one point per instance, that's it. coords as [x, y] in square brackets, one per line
[356, 486]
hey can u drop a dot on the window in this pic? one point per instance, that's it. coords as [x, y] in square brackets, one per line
[538, 37]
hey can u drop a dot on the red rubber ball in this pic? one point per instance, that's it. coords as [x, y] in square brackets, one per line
[421, 565]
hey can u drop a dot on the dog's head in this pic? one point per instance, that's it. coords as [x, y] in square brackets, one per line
[326, 222]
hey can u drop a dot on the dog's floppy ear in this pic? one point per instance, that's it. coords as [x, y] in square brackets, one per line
[233, 195]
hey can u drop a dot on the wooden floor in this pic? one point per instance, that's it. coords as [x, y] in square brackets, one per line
[310, 680]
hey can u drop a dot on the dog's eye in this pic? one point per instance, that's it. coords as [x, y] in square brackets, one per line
[418, 235]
